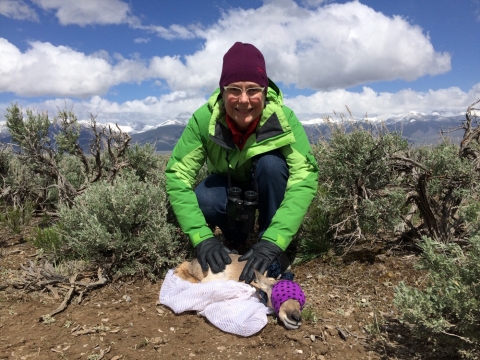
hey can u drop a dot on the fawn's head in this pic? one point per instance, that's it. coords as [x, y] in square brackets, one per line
[285, 297]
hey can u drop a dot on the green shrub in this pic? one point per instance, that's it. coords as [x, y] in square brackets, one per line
[315, 236]
[357, 178]
[21, 184]
[47, 239]
[122, 224]
[309, 314]
[145, 163]
[16, 217]
[448, 308]
[63, 169]
[446, 191]
[469, 214]
[74, 172]
[5, 158]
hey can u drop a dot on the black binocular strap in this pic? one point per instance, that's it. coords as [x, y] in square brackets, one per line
[228, 169]
[252, 171]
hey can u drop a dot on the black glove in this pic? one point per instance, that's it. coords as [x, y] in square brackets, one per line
[259, 257]
[212, 252]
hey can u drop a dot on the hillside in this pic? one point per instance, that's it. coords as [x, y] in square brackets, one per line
[418, 129]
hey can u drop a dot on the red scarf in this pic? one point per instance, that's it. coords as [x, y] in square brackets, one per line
[239, 137]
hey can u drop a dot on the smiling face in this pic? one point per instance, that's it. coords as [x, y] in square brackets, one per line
[243, 109]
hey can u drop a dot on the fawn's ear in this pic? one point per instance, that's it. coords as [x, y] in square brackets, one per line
[263, 282]
[184, 272]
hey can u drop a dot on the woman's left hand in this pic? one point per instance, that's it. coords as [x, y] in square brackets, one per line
[259, 257]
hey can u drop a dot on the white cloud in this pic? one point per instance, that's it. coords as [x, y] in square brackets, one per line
[151, 110]
[45, 69]
[315, 3]
[17, 9]
[156, 110]
[172, 32]
[381, 104]
[331, 47]
[141, 40]
[87, 12]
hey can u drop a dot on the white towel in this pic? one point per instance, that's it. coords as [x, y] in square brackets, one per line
[229, 305]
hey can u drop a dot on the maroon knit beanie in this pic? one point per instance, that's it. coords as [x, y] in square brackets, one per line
[243, 62]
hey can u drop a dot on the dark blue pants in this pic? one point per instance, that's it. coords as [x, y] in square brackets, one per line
[271, 176]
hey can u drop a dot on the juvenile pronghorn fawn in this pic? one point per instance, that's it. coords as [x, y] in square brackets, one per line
[288, 299]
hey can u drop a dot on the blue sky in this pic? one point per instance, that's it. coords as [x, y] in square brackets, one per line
[153, 61]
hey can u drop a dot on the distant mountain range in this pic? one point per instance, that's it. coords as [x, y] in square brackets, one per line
[417, 128]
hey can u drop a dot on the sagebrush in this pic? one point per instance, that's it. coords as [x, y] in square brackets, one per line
[122, 226]
[447, 309]
[356, 179]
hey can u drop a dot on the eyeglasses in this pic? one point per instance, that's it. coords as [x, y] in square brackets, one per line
[236, 92]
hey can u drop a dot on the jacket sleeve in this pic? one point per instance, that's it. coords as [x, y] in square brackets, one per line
[301, 186]
[187, 158]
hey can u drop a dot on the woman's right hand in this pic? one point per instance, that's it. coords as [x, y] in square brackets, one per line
[213, 253]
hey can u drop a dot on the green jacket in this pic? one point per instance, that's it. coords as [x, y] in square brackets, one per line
[207, 138]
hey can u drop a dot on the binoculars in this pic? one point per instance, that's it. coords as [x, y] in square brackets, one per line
[241, 212]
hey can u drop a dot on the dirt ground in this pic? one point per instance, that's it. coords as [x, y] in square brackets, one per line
[349, 316]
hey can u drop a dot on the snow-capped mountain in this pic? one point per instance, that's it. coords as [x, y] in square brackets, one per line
[140, 127]
[437, 115]
[418, 128]
[173, 122]
[136, 128]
